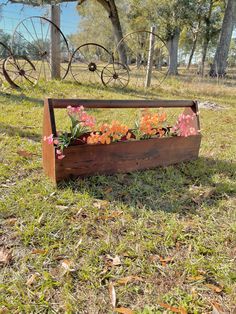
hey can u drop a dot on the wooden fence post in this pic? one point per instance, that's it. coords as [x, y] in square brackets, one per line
[55, 43]
[150, 57]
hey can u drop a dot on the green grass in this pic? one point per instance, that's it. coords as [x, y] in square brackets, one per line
[185, 214]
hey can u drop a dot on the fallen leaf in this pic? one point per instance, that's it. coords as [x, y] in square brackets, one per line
[10, 221]
[208, 193]
[39, 251]
[101, 204]
[173, 309]
[217, 309]
[112, 294]
[68, 265]
[24, 153]
[5, 256]
[166, 260]
[154, 258]
[60, 257]
[62, 207]
[107, 191]
[111, 216]
[123, 310]
[125, 280]
[189, 249]
[79, 242]
[4, 310]
[112, 261]
[41, 219]
[196, 278]
[28, 127]
[214, 288]
[32, 279]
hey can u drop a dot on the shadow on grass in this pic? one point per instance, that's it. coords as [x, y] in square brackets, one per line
[17, 131]
[21, 97]
[129, 90]
[182, 188]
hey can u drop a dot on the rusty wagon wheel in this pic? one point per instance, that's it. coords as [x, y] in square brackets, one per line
[137, 48]
[5, 52]
[35, 44]
[88, 61]
[19, 71]
[115, 74]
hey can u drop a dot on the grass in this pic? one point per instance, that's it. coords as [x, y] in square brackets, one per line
[173, 229]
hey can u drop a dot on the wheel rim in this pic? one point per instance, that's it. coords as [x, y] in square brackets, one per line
[34, 35]
[137, 49]
[5, 52]
[115, 75]
[88, 61]
[19, 71]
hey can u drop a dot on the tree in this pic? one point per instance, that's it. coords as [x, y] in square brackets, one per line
[111, 8]
[93, 27]
[171, 16]
[219, 65]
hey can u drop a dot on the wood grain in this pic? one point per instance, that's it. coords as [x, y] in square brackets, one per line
[85, 160]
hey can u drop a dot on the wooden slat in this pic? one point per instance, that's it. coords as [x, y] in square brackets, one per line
[48, 151]
[92, 103]
[85, 160]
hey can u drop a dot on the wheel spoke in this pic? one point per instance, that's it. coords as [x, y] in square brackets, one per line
[36, 34]
[31, 36]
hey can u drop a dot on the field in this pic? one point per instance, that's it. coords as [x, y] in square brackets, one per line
[163, 240]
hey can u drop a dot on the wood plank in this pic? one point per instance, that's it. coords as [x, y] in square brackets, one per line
[48, 151]
[101, 103]
[85, 160]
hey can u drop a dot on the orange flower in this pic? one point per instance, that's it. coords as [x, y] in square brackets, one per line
[150, 123]
[108, 133]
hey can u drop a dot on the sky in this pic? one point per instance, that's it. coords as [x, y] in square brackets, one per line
[12, 14]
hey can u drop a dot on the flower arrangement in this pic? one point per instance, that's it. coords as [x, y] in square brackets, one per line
[183, 126]
[83, 129]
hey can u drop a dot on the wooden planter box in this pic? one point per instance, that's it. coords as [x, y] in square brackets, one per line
[85, 160]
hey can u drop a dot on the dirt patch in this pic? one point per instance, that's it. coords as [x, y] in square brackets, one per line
[210, 105]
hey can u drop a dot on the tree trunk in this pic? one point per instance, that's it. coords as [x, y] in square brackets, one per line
[110, 7]
[55, 43]
[204, 53]
[195, 38]
[115, 21]
[207, 38]
[219, 65]
[173, 44]
[192, 52]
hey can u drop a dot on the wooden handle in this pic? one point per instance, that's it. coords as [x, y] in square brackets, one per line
[49, 124]
[92, 103]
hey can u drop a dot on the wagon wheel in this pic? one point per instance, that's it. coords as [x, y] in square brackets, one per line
[34, 36]
[88, 61]
[18, 71]
[137, 47]
[5, 52]
[115, 75]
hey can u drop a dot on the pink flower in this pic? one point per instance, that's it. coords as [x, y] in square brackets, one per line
[49, 139]
[56, 142]
[183, 125]
[59, 153]
[81, 115]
